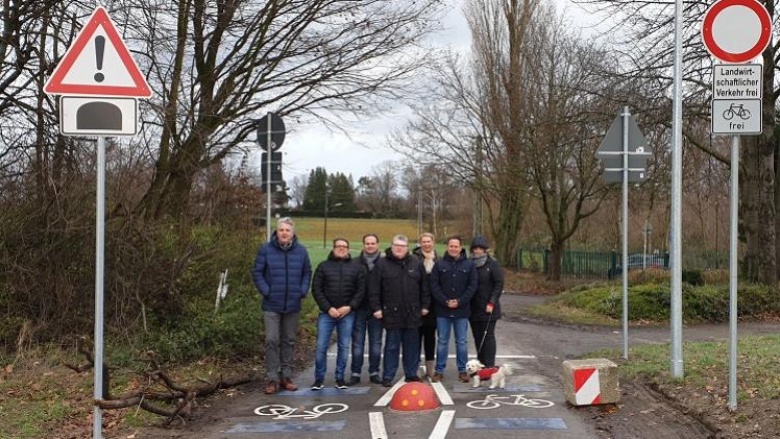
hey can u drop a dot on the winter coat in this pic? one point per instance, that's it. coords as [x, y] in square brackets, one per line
[282, 275]
[399, 288]
[339, 282]
[490, 284]
[453, 279]
[430, 318]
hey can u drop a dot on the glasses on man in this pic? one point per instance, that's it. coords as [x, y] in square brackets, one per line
[398, 244]
[340, 246]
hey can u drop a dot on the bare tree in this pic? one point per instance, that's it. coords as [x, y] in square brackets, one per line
[431, 189]
[647, 30]
[298, 190]
[218, 66]
[482, 105]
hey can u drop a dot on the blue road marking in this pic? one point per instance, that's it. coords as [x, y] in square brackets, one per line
[463, 388]
[510, 423]
[327, 392]
[287, 427]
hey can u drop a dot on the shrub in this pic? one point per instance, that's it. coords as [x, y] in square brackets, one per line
[692, 277]
[652, 301]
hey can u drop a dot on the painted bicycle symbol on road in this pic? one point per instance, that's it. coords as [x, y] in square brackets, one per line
[281, 411]
[494, 401]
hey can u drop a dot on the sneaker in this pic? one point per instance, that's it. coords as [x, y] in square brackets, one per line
[340, 384]
[375, 379]
[387, 383]
[318, 385]
[463, 377]
[288, 385]
[271, 387]
[354, 381]
[437, 377]
[414, 379]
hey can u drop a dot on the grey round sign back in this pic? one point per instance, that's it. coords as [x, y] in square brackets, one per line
[277, 131]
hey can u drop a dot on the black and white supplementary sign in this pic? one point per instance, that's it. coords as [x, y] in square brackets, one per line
[736, 99]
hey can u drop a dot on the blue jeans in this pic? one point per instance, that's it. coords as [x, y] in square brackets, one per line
[409, 338]
[365, 321]
[325, 326]
[443, 326]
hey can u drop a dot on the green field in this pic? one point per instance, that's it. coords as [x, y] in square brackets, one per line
[310, 233]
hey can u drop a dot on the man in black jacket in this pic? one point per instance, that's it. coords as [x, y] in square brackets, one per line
[453, 284]
[365, 322]
[399, 296]
[338, 288]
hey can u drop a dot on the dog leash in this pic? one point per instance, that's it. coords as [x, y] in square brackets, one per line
[486, 331]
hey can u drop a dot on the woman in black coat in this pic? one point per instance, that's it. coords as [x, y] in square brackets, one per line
[485, 305]
[427, 253]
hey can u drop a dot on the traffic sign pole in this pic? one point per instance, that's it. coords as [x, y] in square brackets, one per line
[736, 32]
[269, 149]
[733, 267]
[624, 228]
[97, 417]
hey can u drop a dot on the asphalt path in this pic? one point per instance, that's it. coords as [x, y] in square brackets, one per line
[532, 405]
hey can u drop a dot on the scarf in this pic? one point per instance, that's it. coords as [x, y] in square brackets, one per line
[479, 260]
[370, 259]
[428, 260]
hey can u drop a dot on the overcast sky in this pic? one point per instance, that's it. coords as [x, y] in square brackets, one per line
[309, 146]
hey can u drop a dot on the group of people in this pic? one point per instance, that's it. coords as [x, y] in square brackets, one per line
[413, 300]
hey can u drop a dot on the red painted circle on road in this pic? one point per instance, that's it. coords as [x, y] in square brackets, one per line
[740, 34]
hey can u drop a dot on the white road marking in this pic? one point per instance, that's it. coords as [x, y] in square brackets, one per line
[441, 392]
[385, 399]
[443, 424]
[377, 422]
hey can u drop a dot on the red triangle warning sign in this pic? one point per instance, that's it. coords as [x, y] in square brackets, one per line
[98, 64]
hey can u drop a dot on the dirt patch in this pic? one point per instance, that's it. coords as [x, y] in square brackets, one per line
[650, 411]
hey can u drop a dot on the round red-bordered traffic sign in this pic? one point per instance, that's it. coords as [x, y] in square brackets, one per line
[736, 31]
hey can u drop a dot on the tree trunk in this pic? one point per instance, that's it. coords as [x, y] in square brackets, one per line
[555, 262]
[510, 221]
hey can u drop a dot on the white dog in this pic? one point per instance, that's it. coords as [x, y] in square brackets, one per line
[497, 375]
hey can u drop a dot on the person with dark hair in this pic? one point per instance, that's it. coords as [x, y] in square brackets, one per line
[485, 305]
[427, 253]
[399, 296]
[453, 284]
[365, 322]
[281, 273]
[339, 287]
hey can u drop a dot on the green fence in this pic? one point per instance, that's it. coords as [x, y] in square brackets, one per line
[589, 264]
[607, 264]
[574, 264]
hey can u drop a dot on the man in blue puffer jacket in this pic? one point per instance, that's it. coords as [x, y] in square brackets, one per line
[281, 273]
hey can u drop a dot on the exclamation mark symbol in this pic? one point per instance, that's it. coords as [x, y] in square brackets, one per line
[100, 45]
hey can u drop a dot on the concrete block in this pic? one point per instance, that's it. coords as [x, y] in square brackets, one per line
[591, 381]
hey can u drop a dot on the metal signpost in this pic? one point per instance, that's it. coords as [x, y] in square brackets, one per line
[622, 152]
[736, 32]
[98, 81]
[270, 136]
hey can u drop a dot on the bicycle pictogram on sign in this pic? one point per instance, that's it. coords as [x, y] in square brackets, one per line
[736, 110]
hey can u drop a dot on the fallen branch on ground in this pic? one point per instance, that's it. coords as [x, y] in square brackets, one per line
[160, 388]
